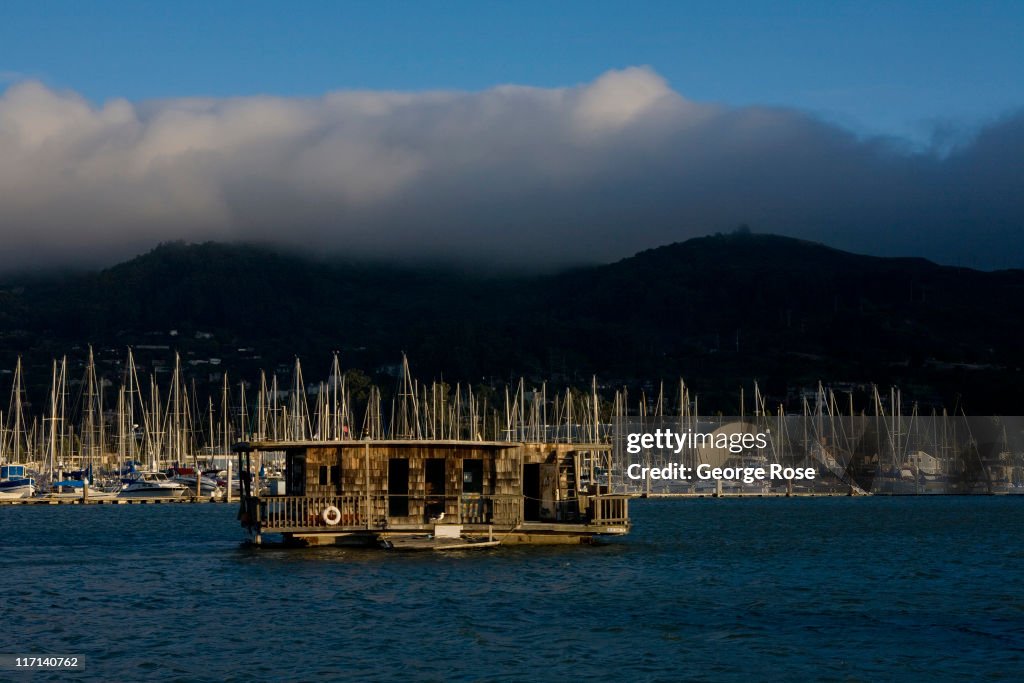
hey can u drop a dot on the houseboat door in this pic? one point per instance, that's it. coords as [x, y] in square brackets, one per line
[295, 473]
[531, 493]
[398, 487]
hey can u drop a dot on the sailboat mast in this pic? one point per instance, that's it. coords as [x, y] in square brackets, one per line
[225, 423]
[53, 420]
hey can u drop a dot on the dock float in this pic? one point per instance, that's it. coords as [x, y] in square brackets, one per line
[109, 501]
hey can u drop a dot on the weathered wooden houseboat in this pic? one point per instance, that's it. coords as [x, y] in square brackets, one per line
[432, 493]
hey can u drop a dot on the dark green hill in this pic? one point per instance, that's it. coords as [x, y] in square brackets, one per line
[720, 310]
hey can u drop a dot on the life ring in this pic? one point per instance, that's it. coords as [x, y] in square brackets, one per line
[331, 515]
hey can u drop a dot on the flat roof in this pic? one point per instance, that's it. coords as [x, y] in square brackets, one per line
[418, 443]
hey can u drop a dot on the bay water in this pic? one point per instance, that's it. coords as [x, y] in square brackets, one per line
[842, 589]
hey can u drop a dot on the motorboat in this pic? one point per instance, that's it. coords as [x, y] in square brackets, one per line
[15, 482]
[151, 485]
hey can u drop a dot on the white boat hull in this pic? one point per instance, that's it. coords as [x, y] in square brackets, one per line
[152, 492]
[17, 492]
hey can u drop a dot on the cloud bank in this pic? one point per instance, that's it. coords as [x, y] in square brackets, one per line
[513, 175]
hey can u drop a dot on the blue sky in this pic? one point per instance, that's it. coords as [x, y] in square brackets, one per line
[386, 129]
[875, 67]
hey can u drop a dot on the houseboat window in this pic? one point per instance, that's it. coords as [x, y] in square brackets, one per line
[323, 475]
[472, 475]
[335, 474]
[398, 487]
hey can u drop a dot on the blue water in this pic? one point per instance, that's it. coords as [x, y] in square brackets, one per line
[844, 589]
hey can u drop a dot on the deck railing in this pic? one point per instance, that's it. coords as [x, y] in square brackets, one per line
[609, 509]
[300, 512]
[496, 509]
[284, 513]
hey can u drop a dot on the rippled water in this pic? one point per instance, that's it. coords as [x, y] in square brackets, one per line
[835, 589]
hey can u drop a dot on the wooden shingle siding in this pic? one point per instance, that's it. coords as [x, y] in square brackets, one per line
[364, 472]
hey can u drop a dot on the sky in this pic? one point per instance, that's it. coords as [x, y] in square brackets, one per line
[524, 133]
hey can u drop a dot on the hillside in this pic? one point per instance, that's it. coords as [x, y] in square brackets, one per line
[720, 310]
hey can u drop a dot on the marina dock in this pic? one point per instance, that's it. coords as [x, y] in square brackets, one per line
[106, 501]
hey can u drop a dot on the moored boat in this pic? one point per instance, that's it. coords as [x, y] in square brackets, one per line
[208, 487]
[15, 482]
[151, 485]
[76, 489]
[433, 493]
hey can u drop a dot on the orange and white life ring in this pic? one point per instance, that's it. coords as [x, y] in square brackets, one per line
[331, 515]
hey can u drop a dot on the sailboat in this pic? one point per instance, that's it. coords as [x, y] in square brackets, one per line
[78, 486]
[186, 476]
[153, 484]
[15, 481]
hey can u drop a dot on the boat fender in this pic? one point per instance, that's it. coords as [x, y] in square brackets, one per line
[331, 515]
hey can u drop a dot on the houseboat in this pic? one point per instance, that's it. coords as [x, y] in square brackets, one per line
[431, 494]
